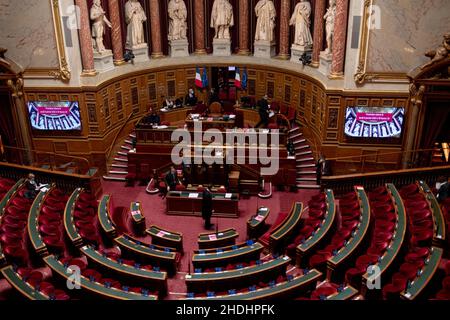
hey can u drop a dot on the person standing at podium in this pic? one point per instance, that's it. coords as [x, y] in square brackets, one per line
[172, 179]
[263, 105]
[207, 210]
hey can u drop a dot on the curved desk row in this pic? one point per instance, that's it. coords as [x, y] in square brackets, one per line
[280, 236]
[33, 224]
[223, 280]
[349, 251]
[165, 259]
[420, 283]
[16, 281]
[221, 258]
[11, 192]
[317, 238]
[92, 287]
[439, 235]
[347, 293]
[104, 216]
[394, 248]
[291, 288]
[166, 238]
[69, 223]
[218, 239]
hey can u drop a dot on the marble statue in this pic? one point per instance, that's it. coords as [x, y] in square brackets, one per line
[134, 18]
[97, 15]
[177, 20]
[222, 18]
[330, 18]
[301, 20]
[265, 23]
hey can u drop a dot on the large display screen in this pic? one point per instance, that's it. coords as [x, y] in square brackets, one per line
[374, 122]
[54, 116]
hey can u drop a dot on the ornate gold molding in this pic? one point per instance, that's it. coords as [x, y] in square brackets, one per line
[363, 75]
[16, 86]
[62, 72]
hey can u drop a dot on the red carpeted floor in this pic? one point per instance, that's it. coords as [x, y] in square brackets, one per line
[154, 208]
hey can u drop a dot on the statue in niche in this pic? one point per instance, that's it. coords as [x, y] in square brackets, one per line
[330, 18]
[222, 18]
[265, 23]
[98, 16]
[177, 20]
[301, 19]
[135, 18]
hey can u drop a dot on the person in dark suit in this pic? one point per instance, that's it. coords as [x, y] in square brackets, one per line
[153, 118]
[443, 189]
[207, 210]
[172, 179]
[263, 105]
[31, 187]
[190, 99]
[213, 97]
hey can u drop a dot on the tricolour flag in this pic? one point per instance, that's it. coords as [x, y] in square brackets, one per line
[198, 78]
[237, 79]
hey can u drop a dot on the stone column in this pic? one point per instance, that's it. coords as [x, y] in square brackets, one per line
[319, 31]
[339, 40]
[116, 33]
[199, 27]
[284, 29]
[84, 33]
[156, 29]
[243, 27]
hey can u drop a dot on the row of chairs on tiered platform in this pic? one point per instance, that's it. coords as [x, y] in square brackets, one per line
[317, 209]
[85, 218]
[350, 215]
[420, 226]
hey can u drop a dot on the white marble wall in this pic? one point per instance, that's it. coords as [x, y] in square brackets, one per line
[409, 28]
[27, 32]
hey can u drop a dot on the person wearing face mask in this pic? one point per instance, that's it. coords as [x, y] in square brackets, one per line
[443, 188]
[190, 99]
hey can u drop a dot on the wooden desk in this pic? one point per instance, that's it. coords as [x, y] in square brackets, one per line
[69, 223]
[180, 203]
[279, 237]
[211, 123]
[284, 290]
[239, 278]
[104, 216]
[33, 224]
[160, 258]
[220, 239]
[93, 287]
[257, 223]
[153, 279]
[17, 282]
[222, 258]
[166, 238]
[137, 217]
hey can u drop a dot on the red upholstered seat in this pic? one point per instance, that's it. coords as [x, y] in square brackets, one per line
[422, 238]
[14, 210]
[318, 206]
[180, 187]
[380, 190]
[280, 219]
[14, 222]
[88, 273]
[353, 275]
[319, 197]
[11, 238]
[348, 205]
[49, 230]
[416, 205]
[351, 216]
[391, 292]
[88, 235]
[46, 288]
[54, 242]
[306, 231]
[9, 229]
[409, 189]
[317, 214]
[409, 270]
[386, 226]
[351, 224]
[399, 280]
[349, 196]
[79, 263]
[48, 212]
[84, 215]
[86, 197]
[383, 236]
[16, 252]
[323, 291]
[313, 223]
[388, 216]
[366, 260]
[318, 260]
[46, 220]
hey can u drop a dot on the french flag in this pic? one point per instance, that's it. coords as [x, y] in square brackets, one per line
[198, 78]
[237, 79]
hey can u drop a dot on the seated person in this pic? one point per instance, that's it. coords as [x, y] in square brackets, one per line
[179, 103]
[152, 118]
[168, 103]
[190, 99]
[31, 187]
[443, 189]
